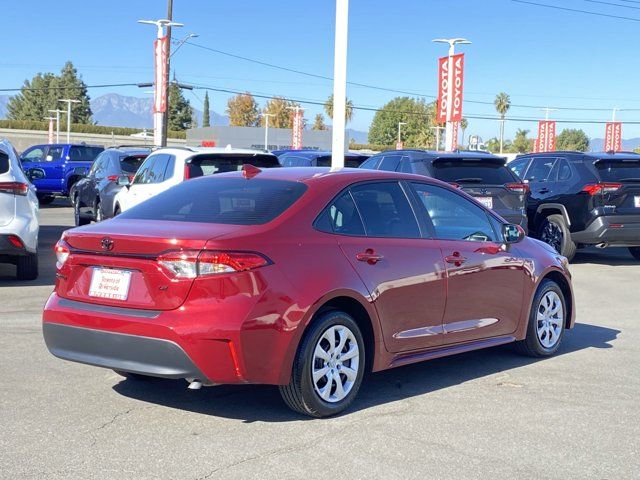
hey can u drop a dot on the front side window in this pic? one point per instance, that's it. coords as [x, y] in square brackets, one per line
[454, 217]
[519, 166]
[385, 210]
[33, 155]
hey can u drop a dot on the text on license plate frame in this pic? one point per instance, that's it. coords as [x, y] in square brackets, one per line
[110, 283]
[486, 201]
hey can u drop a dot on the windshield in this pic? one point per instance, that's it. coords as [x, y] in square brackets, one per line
[234, 201]
[619, 171]
[131, 163]
[208, 164]
[473, 172]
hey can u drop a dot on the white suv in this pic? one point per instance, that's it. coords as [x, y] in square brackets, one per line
[170, 166]
[18, 215]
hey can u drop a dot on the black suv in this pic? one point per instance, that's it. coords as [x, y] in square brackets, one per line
[480, 174]
[581, 199]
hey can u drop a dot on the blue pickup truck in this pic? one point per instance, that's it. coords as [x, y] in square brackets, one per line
[63, 165]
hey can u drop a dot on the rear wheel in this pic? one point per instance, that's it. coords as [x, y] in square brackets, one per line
[556, 233]
[27, 267]
[635, 251]
[45, 199]
[76, 213]
[328, 368]
[547, 321]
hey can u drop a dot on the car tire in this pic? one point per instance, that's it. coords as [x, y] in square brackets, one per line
[545, 329]
[116, 211]
[133, 376]
[635, 252]
[45, 199]
[27, 267]
[334, 390]
[555, 232]
[79, 221]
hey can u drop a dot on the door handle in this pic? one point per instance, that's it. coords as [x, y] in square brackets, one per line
[544, 190]
[455, 258]
[369, 256]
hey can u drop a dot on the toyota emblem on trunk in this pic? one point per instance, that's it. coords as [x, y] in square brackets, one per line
[107, 244]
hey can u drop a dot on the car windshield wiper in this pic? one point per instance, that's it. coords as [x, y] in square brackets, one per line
[468, 180]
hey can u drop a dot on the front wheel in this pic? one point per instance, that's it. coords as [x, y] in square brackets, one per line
[635, 251]
[555, 232]
[45, 199]
[328, 368]
[547, 321]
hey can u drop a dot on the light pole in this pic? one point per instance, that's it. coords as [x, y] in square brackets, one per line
[546, 111]
[399, 143]
[449, 126]
[296, 132]
[161, 77]
[266, 129]
[437, 129]
[182, 42]
[57, 111]
[51, 119]
[69, 101]
[339, 83]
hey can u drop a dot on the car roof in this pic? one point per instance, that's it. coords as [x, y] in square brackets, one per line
[458, 154]
[190, 151]
[319, 153]
[67, 145]
[589, 155]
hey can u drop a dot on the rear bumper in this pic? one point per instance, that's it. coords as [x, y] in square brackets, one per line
[613, 230]
[118, 351]
[9, 249]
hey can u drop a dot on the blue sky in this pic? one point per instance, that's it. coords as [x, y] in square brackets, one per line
[541, 57]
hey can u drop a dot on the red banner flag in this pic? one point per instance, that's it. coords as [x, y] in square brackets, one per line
[546, 136]
[160, 47]
[536, 145]
[613, 137]
[456, 77]
[454, 143]
[296, 134]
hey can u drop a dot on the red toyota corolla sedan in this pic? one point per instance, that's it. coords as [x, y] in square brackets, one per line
[302, 278]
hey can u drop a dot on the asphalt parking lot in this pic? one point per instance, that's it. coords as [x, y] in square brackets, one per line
[487, 414]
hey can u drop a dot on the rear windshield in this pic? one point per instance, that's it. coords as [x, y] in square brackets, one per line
[131, 163]
[233, 201]
[209, 164]
[4, 162]
[84, 154]
[619, 171]
[472, 172]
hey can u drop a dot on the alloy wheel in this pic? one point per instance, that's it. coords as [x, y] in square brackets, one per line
[550, 319]
[334, 368]
[552, 235]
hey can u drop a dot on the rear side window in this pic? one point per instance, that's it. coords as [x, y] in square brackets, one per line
[619, 171]
[385, 210]
[485, 173]
[371, 163]
[341, 217]
[130, 164]
[84, 154]
[294, 161]
[209, 164]
[156, 174]
[4, 162]
[54, 153]
[540, 169]
[518, 166]
[390, 163]
[233, 201]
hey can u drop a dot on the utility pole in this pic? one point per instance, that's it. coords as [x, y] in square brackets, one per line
[613, 114]
[51, 120]
[339, 83]
[399, 130]
[69, 102]
[449, 125]
[161, 82]
[546, 111]
[165, 119]
[57, 111]
[266, 129]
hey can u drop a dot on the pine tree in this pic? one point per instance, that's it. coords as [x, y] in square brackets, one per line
[180, 111]
[206, 121]
[72, 86]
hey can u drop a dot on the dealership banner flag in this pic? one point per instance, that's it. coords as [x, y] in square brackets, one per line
[613, 137]
[457, 79]
[160, 46]
[536, 145]
[298, 124]
[546, 136]
[456, 129]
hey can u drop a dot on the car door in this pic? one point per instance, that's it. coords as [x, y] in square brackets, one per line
[140, 187]
[403, 271]
[85, 188]
[53, 166]
[485, 280]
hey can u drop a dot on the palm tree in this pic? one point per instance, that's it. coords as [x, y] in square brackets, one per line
[464, 124]
[502, 103]
[328, 107]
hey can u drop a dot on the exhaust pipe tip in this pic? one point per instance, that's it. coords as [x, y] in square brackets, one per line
[602, 245]
[194, 384]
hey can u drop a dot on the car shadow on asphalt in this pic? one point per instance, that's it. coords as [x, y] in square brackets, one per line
[48, 236]
[613, 257]
[260, 403]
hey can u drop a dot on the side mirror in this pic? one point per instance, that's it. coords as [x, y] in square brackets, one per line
[512, 233]
[124, 181]
[36, 174]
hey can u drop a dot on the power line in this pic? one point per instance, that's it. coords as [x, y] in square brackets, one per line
[612, 4]
[575, 10]
[40, 89]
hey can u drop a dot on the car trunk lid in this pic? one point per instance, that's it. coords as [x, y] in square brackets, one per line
[619, 189]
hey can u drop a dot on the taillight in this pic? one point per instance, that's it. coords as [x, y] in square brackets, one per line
[187, 171]
[15, 188]
[62, 253]
[594, 189]
[113, 178]
[521, 188]
[192, 264]
[16, 241]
